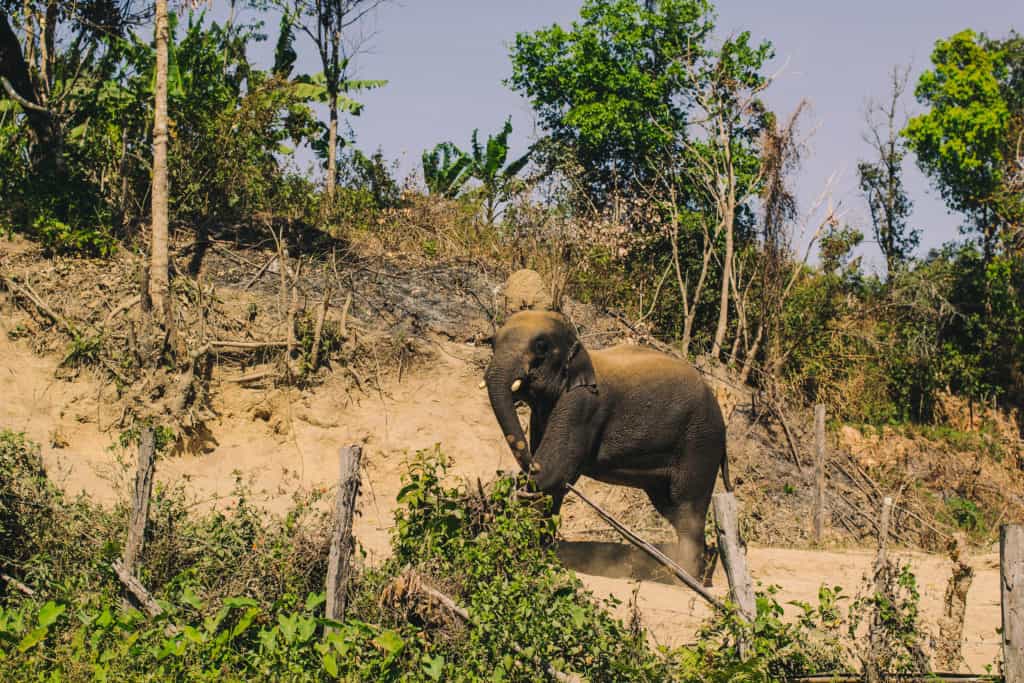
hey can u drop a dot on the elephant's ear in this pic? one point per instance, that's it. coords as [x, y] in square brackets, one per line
[579, 370]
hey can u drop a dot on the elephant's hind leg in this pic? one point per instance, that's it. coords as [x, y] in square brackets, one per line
[687, 517]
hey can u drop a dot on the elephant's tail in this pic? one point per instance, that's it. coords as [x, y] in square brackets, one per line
[725, 471]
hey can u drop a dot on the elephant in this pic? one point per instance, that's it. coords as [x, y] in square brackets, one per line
[625, 415]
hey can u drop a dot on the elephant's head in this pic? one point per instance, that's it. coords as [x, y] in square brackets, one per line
[537, 358]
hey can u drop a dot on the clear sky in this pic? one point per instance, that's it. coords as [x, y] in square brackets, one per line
[445, 61]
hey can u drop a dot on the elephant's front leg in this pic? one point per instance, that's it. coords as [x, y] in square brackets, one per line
[563, 447]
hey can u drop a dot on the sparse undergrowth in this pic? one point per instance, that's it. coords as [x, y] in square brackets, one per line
[242, 597]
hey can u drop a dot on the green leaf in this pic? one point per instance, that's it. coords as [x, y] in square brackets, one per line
[390, 642]
[34, 637]
[189, 597]
[315, 600]
[433, 667]
[330, 665]
[49, 613]
[193, 634]
[245, 621]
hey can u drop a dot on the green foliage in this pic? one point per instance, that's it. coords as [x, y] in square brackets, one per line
[446, 169]
[517, 593]
[487, 165]
[613, 89]
[779, 650]
[967, 140]
[965, 513]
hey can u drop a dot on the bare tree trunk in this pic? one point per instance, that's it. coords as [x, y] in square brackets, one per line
[723, 306]
[332, 149]
[159, 284]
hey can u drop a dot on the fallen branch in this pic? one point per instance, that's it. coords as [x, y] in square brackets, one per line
[252, 376]
[259, 273]
[777, 409]
[228, 344]
[18, 585]
[121, 308]
[27, 292]
[318, 331]
[137, 590]
[648, 548]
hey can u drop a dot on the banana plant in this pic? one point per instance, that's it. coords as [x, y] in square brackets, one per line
[446, 170]
[487, 164]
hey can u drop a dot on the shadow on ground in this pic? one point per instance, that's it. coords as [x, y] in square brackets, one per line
[613, 560]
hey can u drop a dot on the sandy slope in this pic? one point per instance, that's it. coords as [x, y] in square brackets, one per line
[281, 440]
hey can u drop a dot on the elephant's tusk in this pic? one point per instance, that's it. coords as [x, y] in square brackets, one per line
[482, 385]
[515, 385]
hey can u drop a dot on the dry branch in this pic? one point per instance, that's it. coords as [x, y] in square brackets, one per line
[18, 585]
[137, 590]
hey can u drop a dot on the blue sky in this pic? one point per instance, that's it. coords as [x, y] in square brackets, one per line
[445, 61]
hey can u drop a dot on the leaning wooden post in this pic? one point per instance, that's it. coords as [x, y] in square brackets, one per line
[819, 472]
[139, 515]
[339, 563]
[1011, 575]
[734, 559]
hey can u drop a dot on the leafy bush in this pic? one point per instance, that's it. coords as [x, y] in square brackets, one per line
[242, 599]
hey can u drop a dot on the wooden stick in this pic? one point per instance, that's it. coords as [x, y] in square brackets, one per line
[648, 548]
[734, 559]
[228, 344]
[259, 273]
[17, 585]
[26, 291]
[339, 562]
[819, 472]
[137, 590]
[318, 331]
[1011, 574]
[140, 500]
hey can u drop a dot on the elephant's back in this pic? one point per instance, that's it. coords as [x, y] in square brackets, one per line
[639, 379]
[627, 363]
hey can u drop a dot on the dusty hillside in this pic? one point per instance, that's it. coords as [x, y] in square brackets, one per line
[419, 391]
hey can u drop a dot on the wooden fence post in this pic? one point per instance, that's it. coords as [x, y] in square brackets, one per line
[1011, 575]
[339, 563]
[819, 472]
[734, 558]
[949, 649]
[139, 515]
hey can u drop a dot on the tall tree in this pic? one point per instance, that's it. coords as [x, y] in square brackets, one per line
[612, 90]
[159, 285]
[332, 26]
[881, 179]
[965, 140]
[724, 163]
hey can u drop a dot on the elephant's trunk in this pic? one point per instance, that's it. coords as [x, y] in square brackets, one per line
[501, 375]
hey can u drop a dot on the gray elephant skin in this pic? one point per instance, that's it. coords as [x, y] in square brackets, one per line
[626, 415]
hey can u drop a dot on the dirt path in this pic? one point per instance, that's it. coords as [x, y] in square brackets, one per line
[279, 441]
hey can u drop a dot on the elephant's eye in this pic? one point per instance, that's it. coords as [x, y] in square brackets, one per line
[540, 346]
